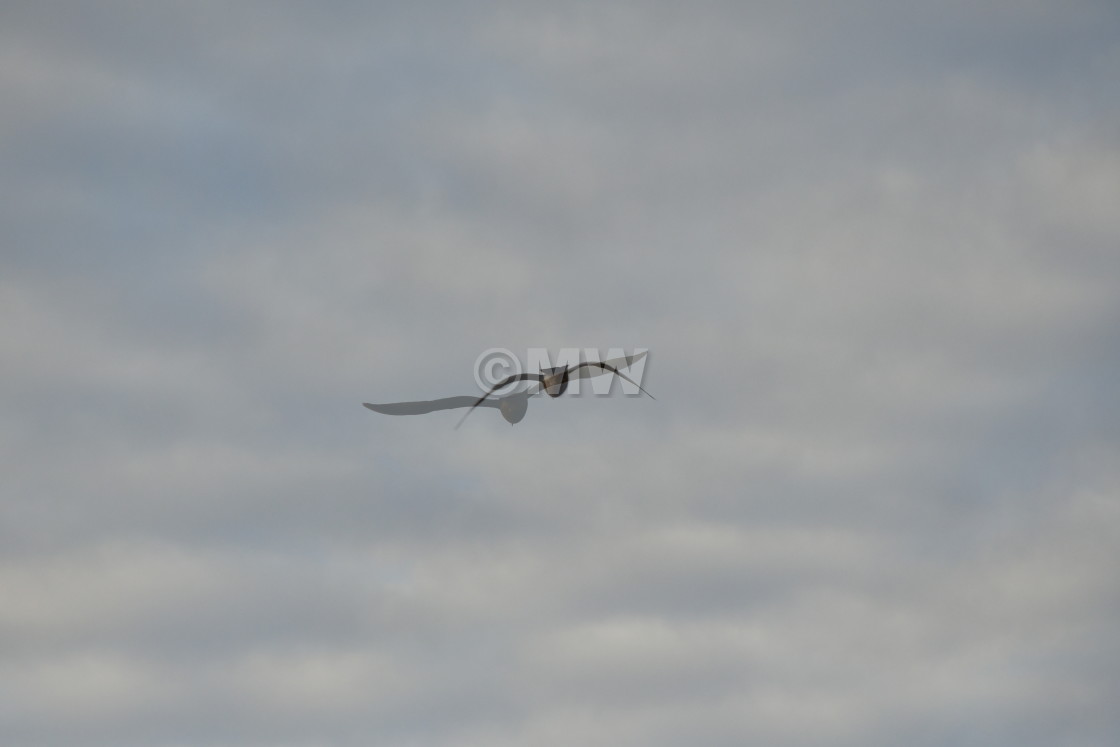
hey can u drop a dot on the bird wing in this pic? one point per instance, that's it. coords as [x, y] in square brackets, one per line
[586, 371]
[609, 367]
[426, 406]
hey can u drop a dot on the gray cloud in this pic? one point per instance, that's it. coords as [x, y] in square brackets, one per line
[871, 248]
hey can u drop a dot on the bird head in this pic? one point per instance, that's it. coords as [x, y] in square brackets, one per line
[555, 380]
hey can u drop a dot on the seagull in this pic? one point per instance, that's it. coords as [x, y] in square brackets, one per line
[552, 381]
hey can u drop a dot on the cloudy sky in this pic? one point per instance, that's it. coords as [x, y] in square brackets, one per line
[872, 248]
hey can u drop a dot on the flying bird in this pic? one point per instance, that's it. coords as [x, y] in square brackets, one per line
[553, 381]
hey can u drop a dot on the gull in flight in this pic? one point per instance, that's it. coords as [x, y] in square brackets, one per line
[552, 381]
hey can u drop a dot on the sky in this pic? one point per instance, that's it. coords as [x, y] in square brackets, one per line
[873, 249]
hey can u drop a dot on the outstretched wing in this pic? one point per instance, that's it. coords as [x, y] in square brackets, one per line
[426, 406]
[612, 369]
[500, 385]
[587, 371]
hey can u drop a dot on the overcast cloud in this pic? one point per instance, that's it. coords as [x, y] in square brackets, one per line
[872, 248]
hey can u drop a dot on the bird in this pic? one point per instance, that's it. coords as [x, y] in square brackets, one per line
[552, 381]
